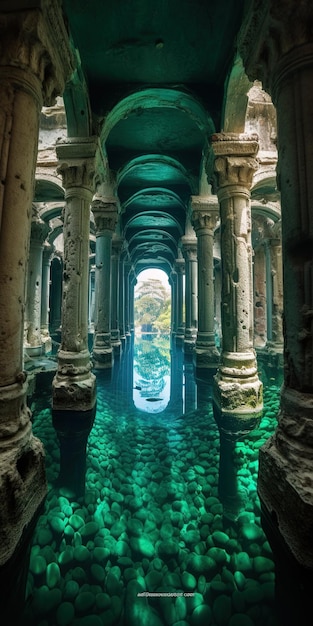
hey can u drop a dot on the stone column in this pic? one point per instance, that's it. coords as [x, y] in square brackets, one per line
[105, 215]
[33, 340]
[237, 392]
[91, 317]
[122, 297]
[204, 218]
[45, 296]
[130, 299]
[180, 271]
[34, 63]
[189, 249]
[261, 294]
[282, 57]
[276, 343]
[117, 244]
[173, 284]
[74, 385]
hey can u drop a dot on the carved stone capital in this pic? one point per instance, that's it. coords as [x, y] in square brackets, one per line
[204, 221]
[271, 30]
[179, 266]
[189, 248]
[36, 39]
[117, 246]
[105, 214]
[235, 161]
[39, 231]
[77, 162]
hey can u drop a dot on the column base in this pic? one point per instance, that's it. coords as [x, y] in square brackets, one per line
[22, 469]
[74, 385]
[237, 394]
[285, 475]
[33, 351]
[103, 359]
[206, 357]
[189, 341]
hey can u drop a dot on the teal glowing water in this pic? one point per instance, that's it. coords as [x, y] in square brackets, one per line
[148, 544]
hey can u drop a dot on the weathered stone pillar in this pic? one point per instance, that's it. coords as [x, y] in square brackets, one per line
[204, 218]
[237, 395]
[180, 270]
[117, 244]
[122, 296]
[261, 293]
[34, 61]
[105, 215]
[276, 343]
[173, 284]
[92, 280]
[74, 385]
[282, 57]
[189, 249]
[33, 339]
[45, 296]
[130, 299]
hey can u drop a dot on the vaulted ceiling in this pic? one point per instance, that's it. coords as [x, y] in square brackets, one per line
[152, 80]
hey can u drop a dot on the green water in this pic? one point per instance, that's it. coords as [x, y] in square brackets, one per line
[148, 545]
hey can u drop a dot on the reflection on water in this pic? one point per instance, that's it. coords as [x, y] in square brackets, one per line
[148, 544]
[152, 382]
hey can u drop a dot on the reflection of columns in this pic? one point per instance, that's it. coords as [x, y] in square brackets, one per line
[237, 392]
[204, 218]
[33, 340]
[189, 249]
[32, 73]
[285, 462]
[180, 270]
[45, 294]
[74, 385]
[117, 243]
[105, 215]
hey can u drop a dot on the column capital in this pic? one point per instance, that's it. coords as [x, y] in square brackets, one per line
[235, 158]
[77, 162]
[179, 266]
[36, 38]
[117, 245]
[270, 31]
[39, 230]
[105, 214]
[189, 247]
[205, 213]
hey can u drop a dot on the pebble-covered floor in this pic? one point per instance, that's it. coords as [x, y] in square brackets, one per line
[148, 545]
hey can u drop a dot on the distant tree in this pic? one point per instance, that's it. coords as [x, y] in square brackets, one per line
[152, 306]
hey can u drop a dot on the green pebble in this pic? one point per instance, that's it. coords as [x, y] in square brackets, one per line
[252, 532]
[57, 525]
[71, 590]
[201, 616]
[81, 554]
[97, 572]
[222, 609]
[262, 564]
[76, 521]
[101, 555]
[65, 614]
[53, 575]
[91, 620]
[142, 545]
[84, 601]
[37, 565]
[201, 564]
[89, 530]
[189, 582]
[220, 538]
[44, 537]
[103, 601]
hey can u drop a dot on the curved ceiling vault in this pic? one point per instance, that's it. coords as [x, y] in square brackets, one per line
[155, 74]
